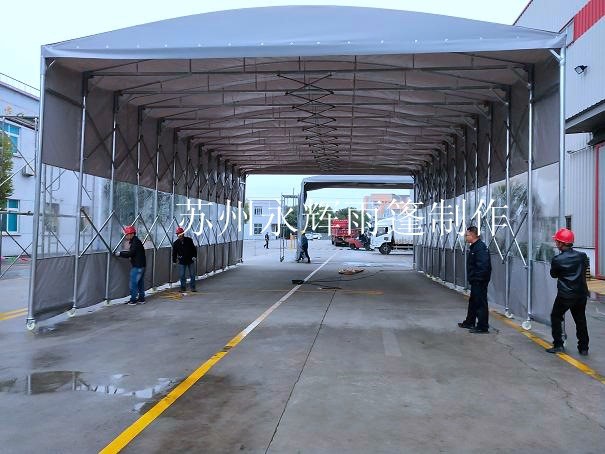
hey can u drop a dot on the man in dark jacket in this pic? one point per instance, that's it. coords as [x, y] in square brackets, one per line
[185, 253]
[138, 261]
[304, 248]
[569, 268]
[479, 272]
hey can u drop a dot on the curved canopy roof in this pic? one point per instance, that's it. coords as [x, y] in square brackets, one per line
[311, 89]
[285, 31]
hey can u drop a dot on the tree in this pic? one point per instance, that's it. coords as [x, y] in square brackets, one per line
[6, 168]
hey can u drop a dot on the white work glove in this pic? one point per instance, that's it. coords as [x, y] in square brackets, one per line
[193, 259]
[117, 254]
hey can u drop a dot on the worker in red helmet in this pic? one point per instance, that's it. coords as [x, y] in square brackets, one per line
[138, 261]
[569, 268]
[184, 253]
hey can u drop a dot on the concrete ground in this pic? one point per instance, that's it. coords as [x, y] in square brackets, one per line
[369, 363]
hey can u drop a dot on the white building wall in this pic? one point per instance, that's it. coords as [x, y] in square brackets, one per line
[14, 101]
[269, 216]
[586, 89]
[551, 15]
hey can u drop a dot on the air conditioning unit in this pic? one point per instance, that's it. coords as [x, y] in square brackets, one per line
[27, 171]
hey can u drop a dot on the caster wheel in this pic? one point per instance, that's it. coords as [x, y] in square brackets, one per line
[508, 314]
[72, 312]
[107, 302]
[526, 325]
[30, 325]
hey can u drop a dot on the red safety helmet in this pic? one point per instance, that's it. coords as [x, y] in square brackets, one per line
[179, 230]
[130, 229]
[564, 236]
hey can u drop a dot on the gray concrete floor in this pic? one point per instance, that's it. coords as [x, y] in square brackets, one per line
[371, 363]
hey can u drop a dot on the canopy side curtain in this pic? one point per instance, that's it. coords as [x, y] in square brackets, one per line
[156, 180]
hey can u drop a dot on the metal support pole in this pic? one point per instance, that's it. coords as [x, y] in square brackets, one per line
[465, 171]
[30, 322]
[454, 195]
[137, 208]
[562, 154]
[508, 201]
[488, 192]
[444, 176]
[174, 155]
[156, 203]
[477, 136]
[116, 106]
[415, 201]
[530, 205]
[80, 187]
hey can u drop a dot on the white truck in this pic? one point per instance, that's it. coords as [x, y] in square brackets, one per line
[392, 233]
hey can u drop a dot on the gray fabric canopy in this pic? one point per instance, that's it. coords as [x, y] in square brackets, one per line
[299, 90]
[303, 31]
[185, 108]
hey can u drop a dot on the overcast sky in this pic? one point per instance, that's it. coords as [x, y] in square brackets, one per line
[30, 25]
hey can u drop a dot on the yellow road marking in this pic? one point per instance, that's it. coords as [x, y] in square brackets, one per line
[140, 424]
[564, 356]
[13, 314]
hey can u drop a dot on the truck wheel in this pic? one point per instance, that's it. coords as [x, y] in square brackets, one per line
[385, 248]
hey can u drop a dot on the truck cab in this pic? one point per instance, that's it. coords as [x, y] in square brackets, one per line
[391, 235]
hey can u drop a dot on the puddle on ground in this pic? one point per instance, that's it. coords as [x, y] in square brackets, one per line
[65, 381]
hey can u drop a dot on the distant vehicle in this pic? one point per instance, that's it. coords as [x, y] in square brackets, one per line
[316, 236]
[392, 233]
[363, 241]
[340, 232]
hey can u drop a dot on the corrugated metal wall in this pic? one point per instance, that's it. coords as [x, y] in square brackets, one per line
[580, 184]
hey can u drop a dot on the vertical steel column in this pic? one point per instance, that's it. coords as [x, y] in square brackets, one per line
[30, 322]
[530, 204]
[507, 188]
[477, 136]
[158, 131]
[80, 185]
[454, 195]
[174, 154]
[465, 171]
[562, 62]
[136, 191]
[444, 183]
[488, 188]
[415, 201]
[116, 106]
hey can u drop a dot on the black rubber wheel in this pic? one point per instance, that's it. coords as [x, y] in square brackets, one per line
[385, 248]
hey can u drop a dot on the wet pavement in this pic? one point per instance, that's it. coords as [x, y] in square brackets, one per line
[372, 362]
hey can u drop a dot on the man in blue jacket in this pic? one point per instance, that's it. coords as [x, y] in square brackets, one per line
[479, 272]
[304, 248]
[138, 261]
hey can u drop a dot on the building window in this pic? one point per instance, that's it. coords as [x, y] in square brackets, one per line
[258, 229]
[13, 132]
[274, 228]
[258, 210]
[10, 221]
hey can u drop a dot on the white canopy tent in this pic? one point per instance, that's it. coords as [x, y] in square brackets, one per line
[187, 107]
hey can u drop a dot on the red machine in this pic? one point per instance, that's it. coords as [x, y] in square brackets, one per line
[340, 233]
